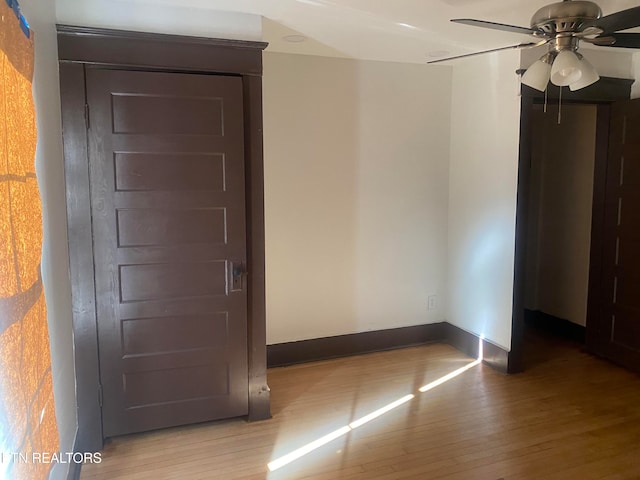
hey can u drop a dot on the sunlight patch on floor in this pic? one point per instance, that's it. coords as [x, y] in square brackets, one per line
[310, 447]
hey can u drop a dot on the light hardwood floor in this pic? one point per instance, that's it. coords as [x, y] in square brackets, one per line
[569, 416]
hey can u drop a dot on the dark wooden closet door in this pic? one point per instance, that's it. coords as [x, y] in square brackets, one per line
[168, 211]
[617, 332]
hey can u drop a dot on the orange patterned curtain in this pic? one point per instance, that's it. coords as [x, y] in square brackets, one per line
[27, 415]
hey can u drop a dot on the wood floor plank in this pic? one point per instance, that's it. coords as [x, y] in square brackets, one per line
[570, 415]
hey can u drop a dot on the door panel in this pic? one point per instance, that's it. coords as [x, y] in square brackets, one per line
[618, 322]
[154, 227]
[168, 206]
[169, 172]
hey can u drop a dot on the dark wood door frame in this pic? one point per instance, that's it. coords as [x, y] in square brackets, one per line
[601, 94]
[80, 48]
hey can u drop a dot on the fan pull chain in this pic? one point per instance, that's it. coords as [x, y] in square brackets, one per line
[560, 106]
[546, 96]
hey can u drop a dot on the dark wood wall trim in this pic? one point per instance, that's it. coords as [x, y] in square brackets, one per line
[469, 343]
[520, 256]
[80, 48]
[256, 314]
[290, 353]
[80, 238]
[124, 48]
[594, 334]
[325, 348]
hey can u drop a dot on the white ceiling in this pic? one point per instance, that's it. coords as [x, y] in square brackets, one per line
[389, 30]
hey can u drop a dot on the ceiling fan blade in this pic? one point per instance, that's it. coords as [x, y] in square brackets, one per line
[615, 22]
[620, 40]
[510, 47]
[607, 41]
[497, 26]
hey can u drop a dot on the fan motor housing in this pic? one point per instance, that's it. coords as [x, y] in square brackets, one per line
[567, 16]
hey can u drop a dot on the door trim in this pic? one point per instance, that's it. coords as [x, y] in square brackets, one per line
[602, 94]
[127, 49]
[594, 299]
[80, 47]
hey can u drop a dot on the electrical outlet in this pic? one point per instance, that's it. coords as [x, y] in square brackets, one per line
[432, 302]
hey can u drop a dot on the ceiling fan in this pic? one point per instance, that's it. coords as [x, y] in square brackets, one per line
[562, 26]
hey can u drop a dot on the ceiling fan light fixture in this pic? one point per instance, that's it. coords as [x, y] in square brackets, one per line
[589, 75]
[537, 75]
[566, 68]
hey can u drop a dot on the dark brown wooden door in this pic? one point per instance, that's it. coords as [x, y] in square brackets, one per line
[616, 333]
[168, 206]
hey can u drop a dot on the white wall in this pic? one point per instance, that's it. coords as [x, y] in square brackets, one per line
[146, 17]
[485, 117]
[559, 233]
[356, 180]
[55, 260]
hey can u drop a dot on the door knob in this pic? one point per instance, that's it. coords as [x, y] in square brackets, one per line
[238, 272]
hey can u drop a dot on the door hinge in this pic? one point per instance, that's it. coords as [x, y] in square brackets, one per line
[100, 394]
[86, 116]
